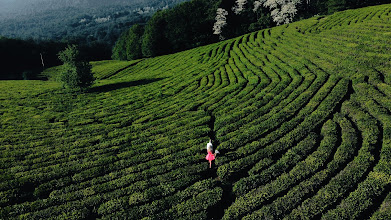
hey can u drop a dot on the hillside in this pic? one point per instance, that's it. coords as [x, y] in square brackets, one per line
[301, 114]
[83, 21]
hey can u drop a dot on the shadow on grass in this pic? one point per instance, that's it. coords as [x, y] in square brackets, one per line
[120, 85]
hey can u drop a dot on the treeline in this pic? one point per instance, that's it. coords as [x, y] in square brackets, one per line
[185, 26]
[21, 59]
[189, 25]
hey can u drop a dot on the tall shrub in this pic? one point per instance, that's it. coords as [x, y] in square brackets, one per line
[76, 74]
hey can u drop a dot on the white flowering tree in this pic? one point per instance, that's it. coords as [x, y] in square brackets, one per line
[221, 21]
[257, 5]
[282, 11]
[239, 6]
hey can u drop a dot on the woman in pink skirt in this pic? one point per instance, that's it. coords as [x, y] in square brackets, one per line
[211, 156]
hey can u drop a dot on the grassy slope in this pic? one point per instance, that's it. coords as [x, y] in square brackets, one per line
[300, 114]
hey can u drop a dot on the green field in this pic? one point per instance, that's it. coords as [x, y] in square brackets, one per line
[301, 114]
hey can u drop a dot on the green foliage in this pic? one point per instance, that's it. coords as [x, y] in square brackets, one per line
[189, 24]
[185, 26]
[154, 41]
[76, 73]
[128, 46]
[119, 48]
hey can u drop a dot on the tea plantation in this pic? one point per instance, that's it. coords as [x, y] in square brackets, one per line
[300, 113]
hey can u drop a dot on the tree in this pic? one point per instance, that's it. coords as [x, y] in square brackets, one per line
[154, 42]
[241, 18]
[128, 46]
[183, 27]
[282, 11]
[188, 24]
[221, 21]
[133, 43]
[119, 49]
[239, 6]
[76, 74]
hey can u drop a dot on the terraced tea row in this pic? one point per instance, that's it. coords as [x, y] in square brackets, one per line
[300, 114]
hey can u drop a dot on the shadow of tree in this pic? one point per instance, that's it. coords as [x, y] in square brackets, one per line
[120, 85]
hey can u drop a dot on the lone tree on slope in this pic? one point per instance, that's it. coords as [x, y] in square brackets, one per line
[76, 74]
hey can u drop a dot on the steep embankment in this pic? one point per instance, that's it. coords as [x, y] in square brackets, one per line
[300, 114]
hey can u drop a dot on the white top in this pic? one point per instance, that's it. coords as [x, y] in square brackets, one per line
[209, 146]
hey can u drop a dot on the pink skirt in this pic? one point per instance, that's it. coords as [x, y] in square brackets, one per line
[210, 156]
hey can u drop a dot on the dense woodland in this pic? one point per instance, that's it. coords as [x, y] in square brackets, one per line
[189, 25]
